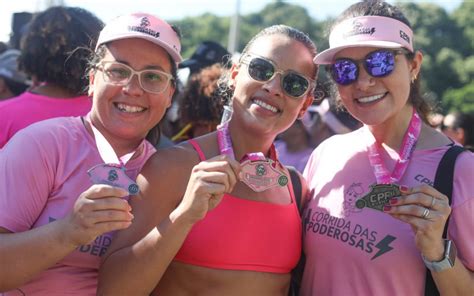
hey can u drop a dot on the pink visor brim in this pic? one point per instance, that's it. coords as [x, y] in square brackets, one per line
[366, 31]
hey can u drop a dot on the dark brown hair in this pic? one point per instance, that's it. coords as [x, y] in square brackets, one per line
[226, 92]
[199, 102]
[57, 44]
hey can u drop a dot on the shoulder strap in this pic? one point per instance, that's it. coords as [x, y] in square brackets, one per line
[198, 149]
[443, 183]
[445, 173]
[296, 182]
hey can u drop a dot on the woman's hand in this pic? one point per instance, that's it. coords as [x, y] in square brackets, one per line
[208, 183]
[427, 211]
[98, 210]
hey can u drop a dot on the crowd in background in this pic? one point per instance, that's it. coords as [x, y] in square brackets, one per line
[46, 71]
[196, 108]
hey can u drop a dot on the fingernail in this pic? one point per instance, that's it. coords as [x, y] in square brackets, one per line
[387, 208]
[403, 188]
[393, 200]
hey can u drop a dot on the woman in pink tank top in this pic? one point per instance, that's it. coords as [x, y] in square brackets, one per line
[218, 214]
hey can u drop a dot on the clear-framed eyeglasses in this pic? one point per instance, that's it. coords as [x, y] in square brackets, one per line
[150, 80]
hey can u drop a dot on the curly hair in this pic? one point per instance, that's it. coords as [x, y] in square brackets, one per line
[199, 102]
[56, 47]
[423, 106]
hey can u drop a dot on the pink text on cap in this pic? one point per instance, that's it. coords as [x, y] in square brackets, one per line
[376, 31]
[144, 26]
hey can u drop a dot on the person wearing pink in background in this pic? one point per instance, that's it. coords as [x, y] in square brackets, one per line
[56, 211]
[373, 221]
[54, 53]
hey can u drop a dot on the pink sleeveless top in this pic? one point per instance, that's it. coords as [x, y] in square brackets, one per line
[241, 234]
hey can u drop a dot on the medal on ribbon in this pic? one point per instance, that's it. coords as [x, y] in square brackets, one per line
[112, 171]
[257, 172]
[380, 194]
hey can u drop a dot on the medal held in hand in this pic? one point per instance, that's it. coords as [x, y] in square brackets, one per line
[260, 175]
[378, 196]
[113, 175]
[112, 171]
[257, 171]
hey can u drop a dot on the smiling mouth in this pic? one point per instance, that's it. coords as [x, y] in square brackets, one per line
[265, 106]
[371, 99]
[129, 109]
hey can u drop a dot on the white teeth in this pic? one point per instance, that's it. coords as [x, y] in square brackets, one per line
[370, 99]
[130, 109]
[266, 106]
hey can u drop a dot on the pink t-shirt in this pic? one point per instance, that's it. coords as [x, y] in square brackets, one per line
[352, 251]
[43, 170]
[19, 112]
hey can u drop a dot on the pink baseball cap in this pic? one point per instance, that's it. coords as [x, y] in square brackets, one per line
[144, 26]
[377, 31]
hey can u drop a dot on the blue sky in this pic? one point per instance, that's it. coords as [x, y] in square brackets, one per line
[177, 9]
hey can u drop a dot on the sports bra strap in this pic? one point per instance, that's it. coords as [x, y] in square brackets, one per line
[198, 149]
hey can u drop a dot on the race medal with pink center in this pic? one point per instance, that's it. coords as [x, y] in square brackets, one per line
[113, 175]
[112, 171]
[257, 171]
[260, 174]
[386, 188]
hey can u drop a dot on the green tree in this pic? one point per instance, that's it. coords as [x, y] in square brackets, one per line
[208, 26]
[436, 34]
[463, 17]
[461, 99]
[446, 40]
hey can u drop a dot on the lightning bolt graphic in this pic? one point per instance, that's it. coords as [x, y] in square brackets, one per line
[384, 246]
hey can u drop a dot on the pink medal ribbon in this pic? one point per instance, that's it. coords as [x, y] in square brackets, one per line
[379, 194]
[112, 171]
[258, 172]
[410, 138]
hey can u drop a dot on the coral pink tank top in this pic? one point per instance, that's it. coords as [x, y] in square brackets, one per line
[241, 234]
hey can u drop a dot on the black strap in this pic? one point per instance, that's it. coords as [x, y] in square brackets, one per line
[297, 272]
[443, 183]
[296, 183]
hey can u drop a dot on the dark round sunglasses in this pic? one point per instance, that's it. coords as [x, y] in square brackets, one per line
[379, 63]
[262, 70]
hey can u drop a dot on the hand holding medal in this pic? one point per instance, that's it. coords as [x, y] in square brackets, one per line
[381, 194]
[209, 181]
[427, 211]
[98, 210]
[257, 171]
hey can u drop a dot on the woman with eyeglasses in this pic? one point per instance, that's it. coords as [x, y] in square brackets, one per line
[218, 212]
[65, 182]
[374, 224]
